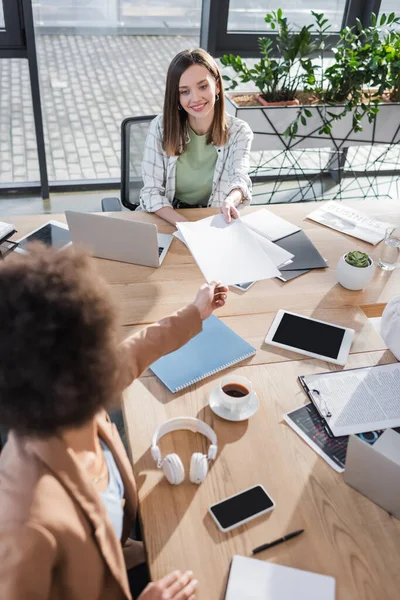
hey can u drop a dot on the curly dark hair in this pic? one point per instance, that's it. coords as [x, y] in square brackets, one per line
[59, 358]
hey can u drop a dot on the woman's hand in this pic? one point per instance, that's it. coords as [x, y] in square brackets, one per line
[229, 210]
[228, 206]
[175, 586]
[209, 297]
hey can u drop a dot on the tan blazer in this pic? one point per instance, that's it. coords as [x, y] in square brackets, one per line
[56, 541]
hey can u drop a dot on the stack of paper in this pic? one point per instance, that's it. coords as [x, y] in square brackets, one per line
[226, 252]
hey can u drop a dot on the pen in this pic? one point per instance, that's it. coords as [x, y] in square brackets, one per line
[289, 536]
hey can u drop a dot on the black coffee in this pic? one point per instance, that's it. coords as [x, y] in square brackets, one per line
[236, 390]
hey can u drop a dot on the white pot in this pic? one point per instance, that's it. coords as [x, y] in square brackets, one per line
[354, 278]
[269, 124]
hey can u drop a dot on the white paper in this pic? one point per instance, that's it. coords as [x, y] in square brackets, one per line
[269, 225]
[359, 400]
[253, 579]
[342, 218]
[279, 256]
[5, 229]
[226, 252]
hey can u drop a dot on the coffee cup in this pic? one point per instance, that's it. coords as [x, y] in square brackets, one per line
[234, 392]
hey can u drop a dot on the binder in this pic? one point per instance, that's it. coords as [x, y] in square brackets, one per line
[356, 400]
[214, 349]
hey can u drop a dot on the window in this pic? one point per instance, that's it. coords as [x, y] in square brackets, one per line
[2, 24]
[248, 15]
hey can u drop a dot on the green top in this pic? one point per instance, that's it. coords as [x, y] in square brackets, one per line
[195, 170]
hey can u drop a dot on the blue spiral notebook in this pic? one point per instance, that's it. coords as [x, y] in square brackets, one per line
[216, 348]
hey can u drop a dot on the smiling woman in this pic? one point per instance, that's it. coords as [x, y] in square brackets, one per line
[195, 154]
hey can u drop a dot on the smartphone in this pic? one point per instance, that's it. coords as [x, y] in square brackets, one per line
[243, 286]
[241, 508]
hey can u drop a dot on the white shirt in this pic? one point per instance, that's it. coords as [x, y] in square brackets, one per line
[390, 326]
[231, 169]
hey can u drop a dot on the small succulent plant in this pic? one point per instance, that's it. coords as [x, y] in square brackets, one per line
[357, 259]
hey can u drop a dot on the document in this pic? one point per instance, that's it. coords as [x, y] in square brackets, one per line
[342, 218]
[226, 252]
[278, 256]
[254, 579]
[357, 400]
[266, 223]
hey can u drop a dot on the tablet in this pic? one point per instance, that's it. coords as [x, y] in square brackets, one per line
[52, 233]
[311, 337]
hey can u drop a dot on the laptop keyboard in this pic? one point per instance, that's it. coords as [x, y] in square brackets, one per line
[160, 250]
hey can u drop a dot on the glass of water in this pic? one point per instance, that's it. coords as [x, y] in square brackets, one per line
[390, 249]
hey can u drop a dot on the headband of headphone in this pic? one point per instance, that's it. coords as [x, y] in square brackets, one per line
[190, 423]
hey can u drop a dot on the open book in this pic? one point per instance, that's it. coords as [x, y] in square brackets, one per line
[252, 579]
[342, 218]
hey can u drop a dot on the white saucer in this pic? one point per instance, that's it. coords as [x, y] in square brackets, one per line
[244, 413]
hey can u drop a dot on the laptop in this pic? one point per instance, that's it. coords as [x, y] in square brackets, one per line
[118, 239]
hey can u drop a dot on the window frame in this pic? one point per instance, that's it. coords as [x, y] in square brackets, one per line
[11, 36]
[217, 40]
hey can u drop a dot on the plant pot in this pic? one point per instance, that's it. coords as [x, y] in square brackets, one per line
[354, 278]
[294, 102]
[270, 122]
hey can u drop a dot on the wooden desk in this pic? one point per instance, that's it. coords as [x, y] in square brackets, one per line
[347, 536]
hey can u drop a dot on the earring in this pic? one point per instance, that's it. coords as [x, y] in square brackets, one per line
[217, 97]
[179, 107]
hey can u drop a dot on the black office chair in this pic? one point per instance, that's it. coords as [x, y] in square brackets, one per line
[133, 136]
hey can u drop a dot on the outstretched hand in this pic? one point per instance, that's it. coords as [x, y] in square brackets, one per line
[229, 210]
[209, 297]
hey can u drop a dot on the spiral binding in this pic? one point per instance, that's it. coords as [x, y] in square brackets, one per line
[214, 371]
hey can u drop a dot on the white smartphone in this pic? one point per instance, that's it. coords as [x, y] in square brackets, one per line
[52, 233]
[241, 508]
[311, 337]
[243, 286]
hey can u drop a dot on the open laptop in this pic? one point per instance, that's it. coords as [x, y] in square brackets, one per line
[118, 239]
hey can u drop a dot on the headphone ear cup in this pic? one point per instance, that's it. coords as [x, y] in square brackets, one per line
[173, 469]
[198, 467]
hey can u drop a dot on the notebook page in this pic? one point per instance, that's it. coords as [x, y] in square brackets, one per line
[359, 399]
[226, 252]
[269, 225]
[253, 579]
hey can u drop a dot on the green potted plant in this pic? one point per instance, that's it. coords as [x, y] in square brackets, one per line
[355, 270]
[277, 78]
[336, 103]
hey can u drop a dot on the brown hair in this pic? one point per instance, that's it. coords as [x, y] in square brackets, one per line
[174, 122]
[59, 358]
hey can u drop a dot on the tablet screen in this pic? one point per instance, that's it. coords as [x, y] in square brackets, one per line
[318, 338]
[50, 234]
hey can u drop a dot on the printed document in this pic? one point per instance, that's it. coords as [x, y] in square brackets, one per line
[342, 218]
[358, 400]
[226, 252]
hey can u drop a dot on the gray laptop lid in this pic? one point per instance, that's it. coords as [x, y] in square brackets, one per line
[114, 238]
[373, 472]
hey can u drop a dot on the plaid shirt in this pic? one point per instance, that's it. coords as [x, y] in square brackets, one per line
[231, 168]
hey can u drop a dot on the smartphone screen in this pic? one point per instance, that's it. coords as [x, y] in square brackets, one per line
[241, 507]
[308, 335]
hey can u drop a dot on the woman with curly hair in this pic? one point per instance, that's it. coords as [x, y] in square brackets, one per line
[67, 492]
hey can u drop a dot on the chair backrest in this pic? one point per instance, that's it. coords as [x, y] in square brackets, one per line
[133, 136]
